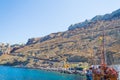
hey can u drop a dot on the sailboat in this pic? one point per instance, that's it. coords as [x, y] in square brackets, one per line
[103, 71]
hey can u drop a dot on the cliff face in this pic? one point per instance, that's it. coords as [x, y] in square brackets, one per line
[76, 44]
[107, 17]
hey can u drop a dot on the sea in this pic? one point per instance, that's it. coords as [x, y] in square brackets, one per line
[12, 73]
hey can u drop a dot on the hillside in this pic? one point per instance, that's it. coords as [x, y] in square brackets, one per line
[75, 46]
[107, 17]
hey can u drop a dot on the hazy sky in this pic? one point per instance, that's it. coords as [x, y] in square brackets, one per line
[23, 19]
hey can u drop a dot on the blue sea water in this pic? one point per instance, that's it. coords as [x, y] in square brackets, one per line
[11, 73]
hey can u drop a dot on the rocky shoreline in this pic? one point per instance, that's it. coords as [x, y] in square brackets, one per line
[61, 70]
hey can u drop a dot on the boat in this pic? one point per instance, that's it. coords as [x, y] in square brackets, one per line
[102, 71]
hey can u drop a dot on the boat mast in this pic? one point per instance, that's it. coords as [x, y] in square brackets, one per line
[103, 61]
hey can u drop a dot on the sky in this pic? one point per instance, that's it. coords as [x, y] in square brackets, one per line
[24, 19]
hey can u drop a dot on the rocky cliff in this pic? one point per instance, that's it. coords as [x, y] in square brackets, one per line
[107, 17]
[76, 45]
